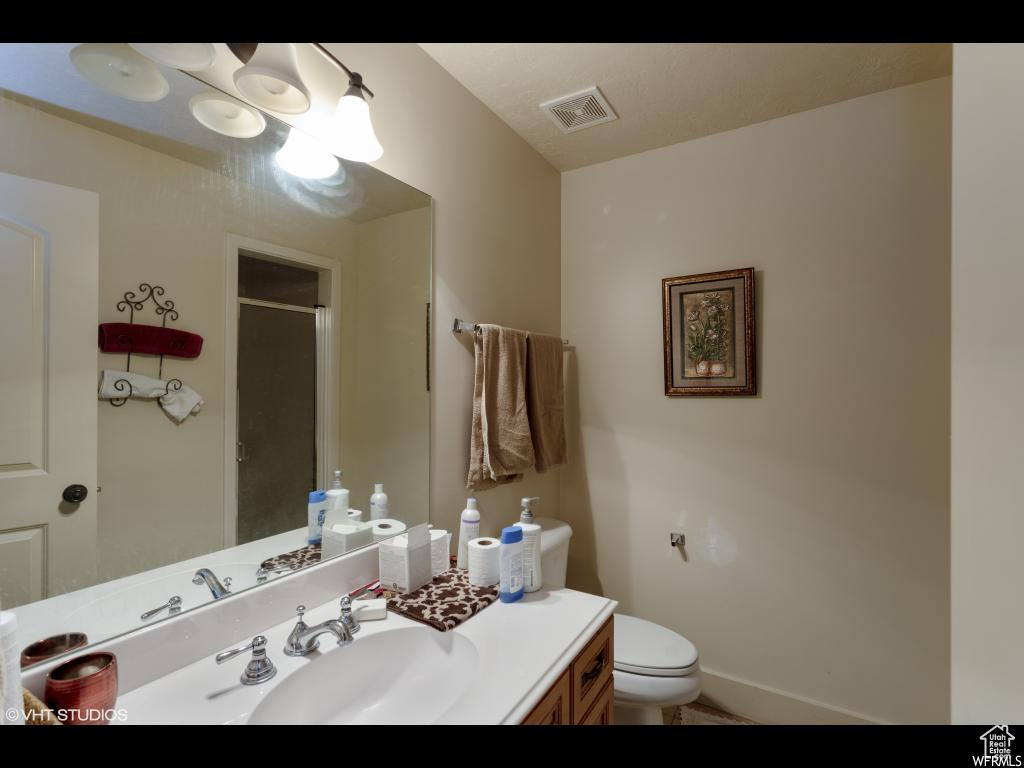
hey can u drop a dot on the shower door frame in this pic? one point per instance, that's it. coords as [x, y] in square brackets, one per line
[328, 357]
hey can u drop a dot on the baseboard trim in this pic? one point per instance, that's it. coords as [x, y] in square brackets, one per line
[771, 706]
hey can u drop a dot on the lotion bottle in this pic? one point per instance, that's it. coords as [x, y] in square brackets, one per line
[316, 513]
[510, 580]
[532, 576]
[378, 502]
[468, 529]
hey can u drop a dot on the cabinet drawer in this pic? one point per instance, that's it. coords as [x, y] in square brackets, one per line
[553, 709]
[591, 671]
[601, 712]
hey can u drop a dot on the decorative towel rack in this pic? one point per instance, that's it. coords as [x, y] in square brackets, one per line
[461, 326]
[164, 310]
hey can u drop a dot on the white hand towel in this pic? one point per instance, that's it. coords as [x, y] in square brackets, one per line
[11, 712]
[177, 404]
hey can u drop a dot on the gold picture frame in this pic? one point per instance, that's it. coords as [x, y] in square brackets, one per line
[709, 333]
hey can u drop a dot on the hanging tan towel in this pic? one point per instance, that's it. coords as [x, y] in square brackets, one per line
[500, 447]
[546, 400]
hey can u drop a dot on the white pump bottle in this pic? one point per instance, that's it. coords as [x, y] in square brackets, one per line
[532, 576]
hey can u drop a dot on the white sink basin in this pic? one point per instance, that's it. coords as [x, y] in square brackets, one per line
[405, 675]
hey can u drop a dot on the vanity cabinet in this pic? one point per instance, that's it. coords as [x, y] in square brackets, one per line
[584, 693]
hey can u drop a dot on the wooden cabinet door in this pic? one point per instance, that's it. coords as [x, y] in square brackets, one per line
[553, 709]
[591, 671]
[601, 712]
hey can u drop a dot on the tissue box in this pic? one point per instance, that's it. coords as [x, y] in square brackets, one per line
[440, 546]
[405, 562]
[340, 538]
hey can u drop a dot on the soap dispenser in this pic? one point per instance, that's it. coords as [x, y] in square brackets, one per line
[532, 576]
[337, 495]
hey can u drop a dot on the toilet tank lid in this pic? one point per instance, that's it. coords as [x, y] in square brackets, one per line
[553, 533]
[643, 645]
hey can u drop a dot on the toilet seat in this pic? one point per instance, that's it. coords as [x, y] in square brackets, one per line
[645, 648]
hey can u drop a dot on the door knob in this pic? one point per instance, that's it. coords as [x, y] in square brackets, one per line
[75, 494]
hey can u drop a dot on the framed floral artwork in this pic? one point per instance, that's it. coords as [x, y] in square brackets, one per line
[709, 333]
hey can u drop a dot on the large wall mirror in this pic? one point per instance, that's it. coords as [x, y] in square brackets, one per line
[194, 336]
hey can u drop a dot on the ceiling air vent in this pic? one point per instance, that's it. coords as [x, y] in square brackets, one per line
[579, 110]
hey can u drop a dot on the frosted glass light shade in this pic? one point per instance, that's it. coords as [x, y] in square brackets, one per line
[223, 114]
[189, 57]
[305, 157]
[271, 80]
[117, 68]
[355, 137]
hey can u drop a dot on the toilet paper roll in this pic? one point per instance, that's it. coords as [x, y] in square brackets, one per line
[484, 561]
[10, 671]
[386, 527]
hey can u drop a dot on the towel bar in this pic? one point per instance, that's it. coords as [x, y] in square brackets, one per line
[461, 326]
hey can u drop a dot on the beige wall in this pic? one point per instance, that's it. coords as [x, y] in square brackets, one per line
[817, 579]
[988, 398]
[162, 221]
[496, 246]
[388, 439]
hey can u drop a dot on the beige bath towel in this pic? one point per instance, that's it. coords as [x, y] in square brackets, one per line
[500, 445]
[546, 400]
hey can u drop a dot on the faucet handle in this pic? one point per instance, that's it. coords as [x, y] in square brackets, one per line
[260, 668]
[348, 619]
[300, 610]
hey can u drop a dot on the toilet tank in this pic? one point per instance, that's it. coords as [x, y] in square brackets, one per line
[554, 550]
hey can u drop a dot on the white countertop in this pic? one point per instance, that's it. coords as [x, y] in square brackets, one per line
[522, 649]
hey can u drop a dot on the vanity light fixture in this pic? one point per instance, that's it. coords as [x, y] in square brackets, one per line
[355, 138]
[117, 68]
[225, 115]
[305, 157]
[271, 80]
[189, 57]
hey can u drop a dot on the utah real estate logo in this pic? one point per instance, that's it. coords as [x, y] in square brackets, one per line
[998, 748]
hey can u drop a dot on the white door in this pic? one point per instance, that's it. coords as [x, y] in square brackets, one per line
[49, 251]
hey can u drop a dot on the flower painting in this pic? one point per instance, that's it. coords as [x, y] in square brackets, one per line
[709, 333]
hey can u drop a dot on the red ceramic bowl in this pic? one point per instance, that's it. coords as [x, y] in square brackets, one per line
[83, 691]
[52, 646]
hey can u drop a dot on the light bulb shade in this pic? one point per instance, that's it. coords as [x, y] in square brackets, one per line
[355, 137]
[271, 80]
[305, 157]
[223, 114]
[189, 57]
[117, 68]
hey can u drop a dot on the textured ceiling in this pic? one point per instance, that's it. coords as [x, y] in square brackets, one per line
[665, 93]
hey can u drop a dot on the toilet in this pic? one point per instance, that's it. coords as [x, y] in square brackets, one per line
[654, 667]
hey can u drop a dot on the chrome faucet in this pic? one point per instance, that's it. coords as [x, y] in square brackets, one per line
[218, 590]
[303, 638]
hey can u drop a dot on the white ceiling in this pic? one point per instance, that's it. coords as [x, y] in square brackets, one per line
[665, 93]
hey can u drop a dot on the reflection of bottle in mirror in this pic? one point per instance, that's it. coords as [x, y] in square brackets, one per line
[316, 512]
[469, 529]
[337, 502]
[378, 502]
[337, 496]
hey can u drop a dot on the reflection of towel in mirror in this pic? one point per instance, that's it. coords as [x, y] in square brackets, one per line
[178, 403]
[500, 448]
[545, 399]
